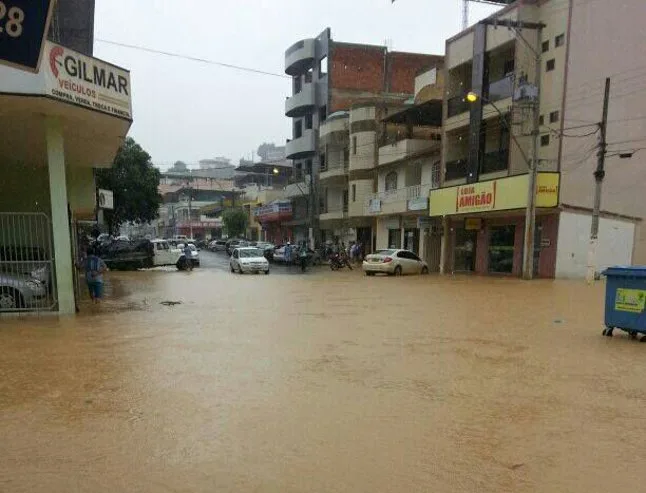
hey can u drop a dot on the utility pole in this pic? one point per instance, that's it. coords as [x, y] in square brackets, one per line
[190, 204]
[530, 212]
[599, 175]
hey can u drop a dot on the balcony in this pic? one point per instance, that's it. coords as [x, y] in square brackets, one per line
[300, 56]
[303, 146]
[495, 161]
[500, 89]
[456, 170]
[277, 211]
[301, 103]
[336, 212]
[413, 198]
[334, 171]
[457, 105]
[404, 148]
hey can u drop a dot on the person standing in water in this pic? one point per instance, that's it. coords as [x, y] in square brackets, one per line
[94, 270]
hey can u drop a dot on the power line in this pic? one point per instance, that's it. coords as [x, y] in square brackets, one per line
[192, 58]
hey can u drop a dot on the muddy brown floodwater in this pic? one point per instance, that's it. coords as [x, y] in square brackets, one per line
[327, 382]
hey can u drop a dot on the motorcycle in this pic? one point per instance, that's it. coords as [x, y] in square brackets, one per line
[339, 262]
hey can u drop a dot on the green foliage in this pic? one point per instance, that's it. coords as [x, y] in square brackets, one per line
[235, 222]
[134, 181]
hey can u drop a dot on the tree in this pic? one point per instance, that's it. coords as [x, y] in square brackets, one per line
[235, 222]
[134, 181]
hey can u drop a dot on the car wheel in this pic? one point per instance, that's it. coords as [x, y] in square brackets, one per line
[267, 272]
[398, 270]
[10, 298]
[424, 270]
[231, 267]
[370, 273]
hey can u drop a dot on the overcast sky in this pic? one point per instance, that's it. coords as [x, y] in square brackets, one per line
[186, 110]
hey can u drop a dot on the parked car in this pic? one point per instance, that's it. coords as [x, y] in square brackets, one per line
[394, 262]
[248, 259]
[235, 243]
[19, 291]
[26, 261]
[267, 248]
[218, 245]
[195, 254]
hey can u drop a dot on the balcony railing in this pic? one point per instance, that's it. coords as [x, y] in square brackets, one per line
[501, 89]
[402, 194]
[457, 104]
[495, 161]
[335, 167]
[456, 170]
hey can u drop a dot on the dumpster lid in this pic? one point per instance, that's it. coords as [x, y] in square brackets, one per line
[626, 271]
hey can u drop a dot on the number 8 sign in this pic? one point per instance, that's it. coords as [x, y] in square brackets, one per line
[23, 29]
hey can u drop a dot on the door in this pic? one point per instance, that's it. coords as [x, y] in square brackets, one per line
[433, 248]
[408, 262]
[465, 250]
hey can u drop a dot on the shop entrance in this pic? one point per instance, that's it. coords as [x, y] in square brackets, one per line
[465, 250]
[501, 249]
[394, 238]
[411, 240]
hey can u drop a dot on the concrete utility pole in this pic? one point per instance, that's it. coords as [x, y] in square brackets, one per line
[190, 204]
[599, 175]
[530, 211]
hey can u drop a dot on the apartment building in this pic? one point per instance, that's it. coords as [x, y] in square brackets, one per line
[487, 144]
[328, 78]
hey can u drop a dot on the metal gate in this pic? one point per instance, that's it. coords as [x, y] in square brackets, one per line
[27, 280]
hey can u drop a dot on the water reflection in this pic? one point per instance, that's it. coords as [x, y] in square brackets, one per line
[323, 382]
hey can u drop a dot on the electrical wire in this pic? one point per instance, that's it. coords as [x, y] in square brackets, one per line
[193, 58]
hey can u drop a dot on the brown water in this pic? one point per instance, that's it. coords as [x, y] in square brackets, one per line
[327, 382]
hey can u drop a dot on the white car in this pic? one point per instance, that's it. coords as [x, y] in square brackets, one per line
[165, 254]
[394, 262]
[248, 259]
[195, 254]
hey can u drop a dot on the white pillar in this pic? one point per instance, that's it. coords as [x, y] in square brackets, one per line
[60, 217]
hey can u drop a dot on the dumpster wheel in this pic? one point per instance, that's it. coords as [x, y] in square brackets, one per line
[607, 332]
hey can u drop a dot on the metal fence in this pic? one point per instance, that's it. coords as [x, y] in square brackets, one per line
[27, 280]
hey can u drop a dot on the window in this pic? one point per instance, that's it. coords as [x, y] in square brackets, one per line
[323, 163]
[501, 249]
[391, 181]
[545, 140]
[322, 113]
[354, 193]
[354, 145]
[545, 47]
[436, 170]
[541, 120]
[508, 67]
[298, 129]
[323, 67]
[554, 116]
[308, 122]
[346, 156]
[308, 76]
[550, 65]
[559, 40]
[308, 166]
[298, 85]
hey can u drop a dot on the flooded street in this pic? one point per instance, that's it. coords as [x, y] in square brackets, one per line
[323, 382]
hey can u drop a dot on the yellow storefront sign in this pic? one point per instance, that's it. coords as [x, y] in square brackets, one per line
[494, 195]
[630, 300]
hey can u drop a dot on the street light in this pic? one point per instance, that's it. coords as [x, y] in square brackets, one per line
[276, 171]
[530, 212]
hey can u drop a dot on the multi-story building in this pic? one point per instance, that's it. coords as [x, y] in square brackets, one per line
[328, 78]
[487, 144]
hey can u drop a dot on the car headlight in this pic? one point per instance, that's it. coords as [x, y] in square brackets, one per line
[34, 285]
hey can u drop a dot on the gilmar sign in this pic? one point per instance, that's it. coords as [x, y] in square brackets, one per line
[476, 197]
[87, 82]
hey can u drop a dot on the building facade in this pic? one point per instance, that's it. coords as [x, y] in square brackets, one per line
[328, 77]
[487, 145]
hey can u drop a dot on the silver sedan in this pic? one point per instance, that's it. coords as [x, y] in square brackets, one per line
[394, 262]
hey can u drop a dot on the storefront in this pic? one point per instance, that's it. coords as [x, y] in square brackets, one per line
[485, 222]
[58, 125]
